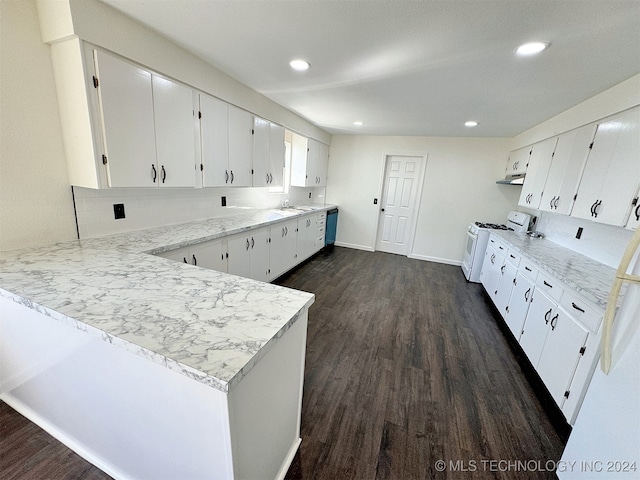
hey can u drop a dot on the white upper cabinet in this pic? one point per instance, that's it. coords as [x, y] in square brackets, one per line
[126, 106]
[634, 215]
[537, 170]
[175, 134]
[309, 162]
[268, 153]
[610, 179]
[240, 140]
[147, 124]
[214, 134]
[568, 162]
[226, 144]
[518, 161]
[276, 154]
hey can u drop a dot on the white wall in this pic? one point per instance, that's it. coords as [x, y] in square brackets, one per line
[35, 197]
[459, 187]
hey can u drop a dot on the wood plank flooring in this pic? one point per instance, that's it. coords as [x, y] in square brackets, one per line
[405, 366]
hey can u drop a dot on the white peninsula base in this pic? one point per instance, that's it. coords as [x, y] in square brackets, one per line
[136, 419]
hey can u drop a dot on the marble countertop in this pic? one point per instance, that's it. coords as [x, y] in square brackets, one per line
[589, 278]
[208, 325]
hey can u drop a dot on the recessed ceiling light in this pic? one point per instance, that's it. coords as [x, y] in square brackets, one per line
[470, 123]
[531, 48]
[300, 65]
[358, 123]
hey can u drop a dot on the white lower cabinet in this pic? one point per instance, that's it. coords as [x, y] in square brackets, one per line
[248, 254]
[561, 354]
[306, 237]
[239, 260]
[519, 302]
[557, 330]
[210, 255]
[283, 253]
[540, 314]
[260, 254]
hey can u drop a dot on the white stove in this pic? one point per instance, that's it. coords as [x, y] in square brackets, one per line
[478, 237]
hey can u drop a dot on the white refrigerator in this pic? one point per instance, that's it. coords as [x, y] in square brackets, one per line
[605, 441]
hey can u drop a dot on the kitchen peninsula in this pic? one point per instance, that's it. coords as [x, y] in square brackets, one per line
[151, 368]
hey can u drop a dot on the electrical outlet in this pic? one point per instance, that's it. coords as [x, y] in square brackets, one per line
[579, 233]
[375, 201]
[224, 201]
[118, 210]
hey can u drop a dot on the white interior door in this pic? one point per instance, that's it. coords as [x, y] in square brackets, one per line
[398, 204]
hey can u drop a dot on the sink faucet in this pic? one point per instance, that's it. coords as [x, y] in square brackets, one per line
[285, 203]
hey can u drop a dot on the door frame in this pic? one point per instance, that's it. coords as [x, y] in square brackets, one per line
[423, 156]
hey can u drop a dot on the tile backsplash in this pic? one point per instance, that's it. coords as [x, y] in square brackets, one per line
[154, 207]
[603, 243]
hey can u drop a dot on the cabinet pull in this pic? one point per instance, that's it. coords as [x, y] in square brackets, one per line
[502, 269]
[231, 176]
[548, 285]
[286, 230]
[527, 269]
[526, 295]
[195, 260]
[493, 256]
[577, 307]
[637, 212]
[247, 244]
[155, 172]
[551, 203]
[226, 176]
[267, 175]
[595, 208]
[512, 256]
[270, 178]
[252, 242]
[546, 316]
[555, 204]
[554, 322]
[184, 259]
[164, 174]
[282, 232]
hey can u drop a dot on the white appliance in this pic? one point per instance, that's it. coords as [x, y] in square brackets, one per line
[478, 237]
[605, 441]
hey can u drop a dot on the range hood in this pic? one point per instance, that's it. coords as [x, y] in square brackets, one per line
[512, 180]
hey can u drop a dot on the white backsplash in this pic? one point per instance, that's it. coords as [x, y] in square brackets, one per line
[603, 243]
[154, 207]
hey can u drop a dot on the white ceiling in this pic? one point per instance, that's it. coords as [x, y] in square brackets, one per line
[410, 67]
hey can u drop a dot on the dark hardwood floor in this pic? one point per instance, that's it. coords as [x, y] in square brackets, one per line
[405, 366]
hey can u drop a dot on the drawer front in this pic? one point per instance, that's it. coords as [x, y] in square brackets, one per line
[528, 269]
[514, 257]
[550, 286]
[322, 216]
[585, 313]
[498, 244]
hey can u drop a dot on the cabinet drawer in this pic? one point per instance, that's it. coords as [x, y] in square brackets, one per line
[579, 309]
[528, 269]
[514, 257]
[550, 286]
[497, 243]
[322, 216]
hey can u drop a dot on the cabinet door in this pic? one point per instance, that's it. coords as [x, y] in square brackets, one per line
[506, 283]
[634, 214]
[306, 237]
[240, 125]
[276, 155]
[313, 157]
[610, 178]
[209, 255]
[283, 254]
[568, 163]
[536, 326]
[214, 131]
[261, 137]
[519, 302]
[490, 274]
[175, 149]
[239, 261]
[299, 147]
[534, 181]
[259, 253]
[561, 354]
[518, 161]
[323, 165]
[126, 105]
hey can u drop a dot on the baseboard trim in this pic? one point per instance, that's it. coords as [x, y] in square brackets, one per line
[288, 460]
[355, 246]
[427, 258]
[61, 436]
